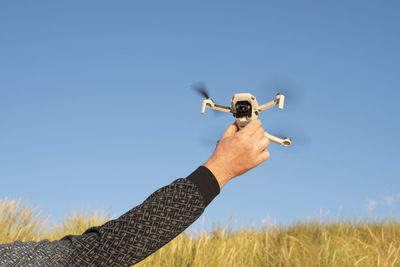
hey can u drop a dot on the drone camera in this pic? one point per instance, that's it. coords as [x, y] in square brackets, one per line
[243, 109]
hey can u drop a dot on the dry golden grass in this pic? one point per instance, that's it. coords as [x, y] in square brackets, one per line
[18, 222]
[313, 243]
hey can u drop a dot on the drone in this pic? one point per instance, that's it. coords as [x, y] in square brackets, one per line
[245, 108]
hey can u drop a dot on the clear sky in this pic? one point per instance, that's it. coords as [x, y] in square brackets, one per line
[97, 112]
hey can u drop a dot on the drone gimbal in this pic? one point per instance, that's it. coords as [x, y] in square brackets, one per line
[245, 108]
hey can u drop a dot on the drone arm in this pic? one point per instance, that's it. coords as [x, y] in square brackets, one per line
[206, 103]
[210, 104]
[267, 105]
[285, 142]
[221, 108]
[279, 100]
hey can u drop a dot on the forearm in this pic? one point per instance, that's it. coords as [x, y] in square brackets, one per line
[137, 233]
[149, 226]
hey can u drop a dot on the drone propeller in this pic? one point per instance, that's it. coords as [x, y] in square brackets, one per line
[201, 89]
[294, 95]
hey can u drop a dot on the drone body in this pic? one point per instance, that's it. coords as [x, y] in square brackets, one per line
[245, 108]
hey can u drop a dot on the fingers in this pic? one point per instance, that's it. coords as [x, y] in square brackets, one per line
[258, 134]
[252, 127]
[263, 143]
[231, 130]
[263, 157]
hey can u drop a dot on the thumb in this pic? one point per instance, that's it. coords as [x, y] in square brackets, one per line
[231, 130]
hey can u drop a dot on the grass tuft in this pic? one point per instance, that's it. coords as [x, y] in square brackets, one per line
[312, 243]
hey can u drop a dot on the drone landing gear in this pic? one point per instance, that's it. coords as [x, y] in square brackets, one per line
[285, 141]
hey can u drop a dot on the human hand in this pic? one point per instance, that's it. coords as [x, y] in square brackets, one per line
[238, 151]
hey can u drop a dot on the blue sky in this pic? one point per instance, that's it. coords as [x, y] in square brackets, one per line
[96, 109]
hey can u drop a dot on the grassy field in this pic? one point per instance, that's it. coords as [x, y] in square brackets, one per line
[338, 243]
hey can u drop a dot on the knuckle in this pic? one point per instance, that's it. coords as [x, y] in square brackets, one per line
[267, 141]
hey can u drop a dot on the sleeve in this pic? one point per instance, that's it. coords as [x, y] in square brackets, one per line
[133, 236]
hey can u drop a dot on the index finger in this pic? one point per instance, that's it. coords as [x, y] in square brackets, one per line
[252, 126]
[231, 130]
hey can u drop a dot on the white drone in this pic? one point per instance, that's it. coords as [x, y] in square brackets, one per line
[245, 108]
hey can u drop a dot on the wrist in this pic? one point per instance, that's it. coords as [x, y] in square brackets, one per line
[221, 175]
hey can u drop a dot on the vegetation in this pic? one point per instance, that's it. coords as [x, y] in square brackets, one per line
[313, 243]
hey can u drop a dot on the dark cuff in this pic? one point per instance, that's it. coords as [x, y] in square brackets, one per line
[205, 180]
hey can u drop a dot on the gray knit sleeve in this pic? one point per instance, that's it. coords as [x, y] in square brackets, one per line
[128, 239]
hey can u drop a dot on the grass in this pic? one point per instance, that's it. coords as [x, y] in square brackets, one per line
[312, 243]
[18, 222]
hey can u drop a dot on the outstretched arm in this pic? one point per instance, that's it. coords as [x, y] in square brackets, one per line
[131, 237]
[160, 218]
